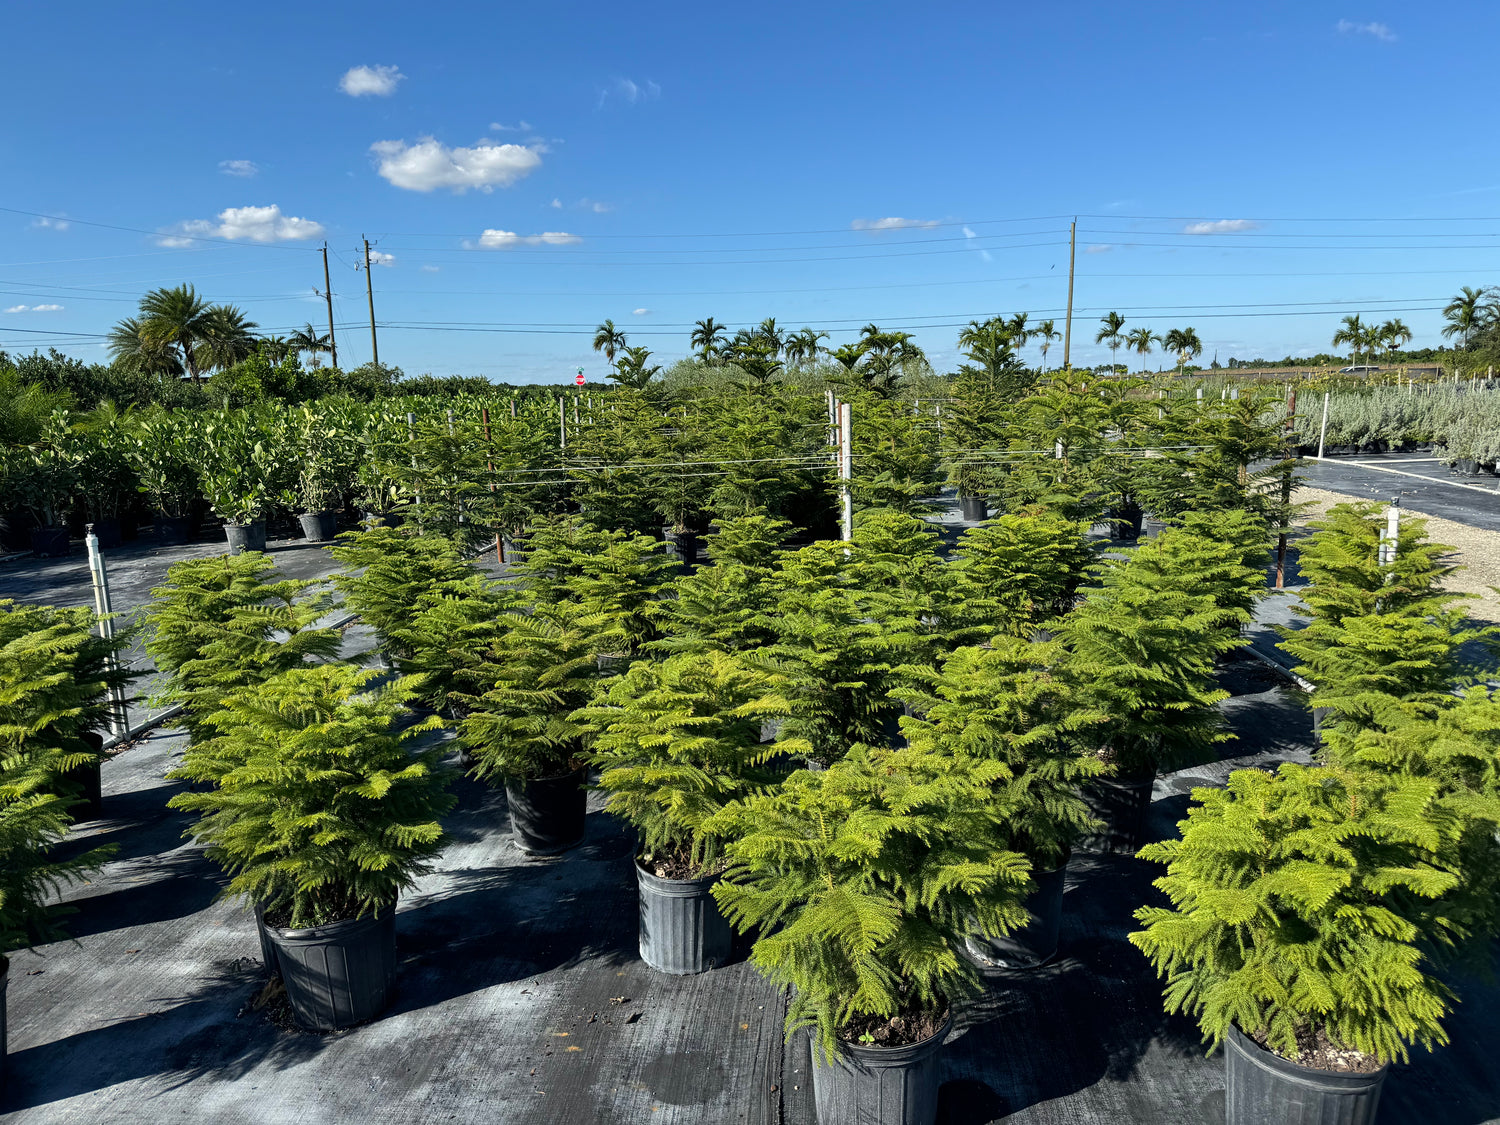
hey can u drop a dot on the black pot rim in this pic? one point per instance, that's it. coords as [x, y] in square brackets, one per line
[580, 773]
[896, 1056]
[329, 930]
[1269, 1060]
[675, 888]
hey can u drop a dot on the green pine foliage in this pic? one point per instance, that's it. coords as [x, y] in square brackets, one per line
[320, 810]
[1305, 902]
[863, 880]
[1145, 646]
[1012, 703]
[676, 741]
[229, 621]
[728, 606]
[540, 670]
[1220, 553]
[457, 621]
[1016, 572]
[53, 684]
[387, 572]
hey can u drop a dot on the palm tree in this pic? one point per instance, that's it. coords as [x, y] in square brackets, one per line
[774, 338]
[1352, 332]
[609, 340]
[1047, 332]
[891, 355]
[306, 339]
[1111, 335]
[632, 370]
[1394, 335]
[275, 348]
[177, 318]
[1470, 311]
[803, 345]
[1141, 340]
[227, 338]
[1019, 333]
[130, 345]
[708, 338]
[1374, 340]
[1185, 342]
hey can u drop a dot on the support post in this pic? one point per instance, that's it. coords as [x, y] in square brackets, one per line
[846, 468]
[370, 293]
[1323, 426]
[562, 423]
[489, 440]
[333, 344]
[118, 722]
[1392, 535]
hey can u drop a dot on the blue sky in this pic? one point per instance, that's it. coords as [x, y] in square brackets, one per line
[1254, 171]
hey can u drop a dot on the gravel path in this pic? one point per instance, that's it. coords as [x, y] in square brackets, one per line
[1476, 550]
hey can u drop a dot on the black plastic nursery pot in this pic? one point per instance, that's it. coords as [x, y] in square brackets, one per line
[173, 531]
[880, 1085]
[244, 537]
[1262, 1088]
[680, 545]
[1127, 520]
[380, 519]
[682, 930]
[1121, 803]
[336, 975]
[109, 533]
[547, 813]
[975, 509]
[49, 542]
[319, 526]
[1035, 943]
[89, 781]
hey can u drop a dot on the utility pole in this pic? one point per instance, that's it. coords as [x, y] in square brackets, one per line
[333, 346]
[370, 293]
[1068, 324]
[846, 468]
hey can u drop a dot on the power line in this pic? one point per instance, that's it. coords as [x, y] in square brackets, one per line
[153, 233]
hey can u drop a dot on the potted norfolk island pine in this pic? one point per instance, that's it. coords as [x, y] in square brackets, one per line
[1304, 909]
[674, 742]
[1012, 703]
[321, 813]
[862, 882]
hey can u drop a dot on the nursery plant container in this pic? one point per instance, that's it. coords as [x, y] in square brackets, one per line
[1121, 803]
[1466, 465]
[340, 974]
[880, 1085]
[108, 532]
[680, 545]
[90, 783]
[1127, 520]
[682, 931]
[546, 814]
[244, 537]
[319, 526]
[1262, 1088]
[380, 519]
[1035, 943]
[173, 531]
[975, 509]
[267, 947]
[49, 542]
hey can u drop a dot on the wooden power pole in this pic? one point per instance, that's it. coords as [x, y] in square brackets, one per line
[333, 346]
[370, 293]
[1068, 323]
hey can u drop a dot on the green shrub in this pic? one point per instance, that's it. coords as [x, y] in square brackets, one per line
[863, 879]
[319, 810]
[676, 741]
[227, 622]
[1302, 903]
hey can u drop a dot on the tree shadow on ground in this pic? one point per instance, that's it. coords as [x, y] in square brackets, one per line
[173, 886]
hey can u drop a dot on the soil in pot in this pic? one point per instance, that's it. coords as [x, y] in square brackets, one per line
[547, 813]
[336, 975]
[244, 537]
[49, 542]
[874, 1084]
[1263, 1088]
[1035, 943]
[319, 527]
[1122, 804]
[173, 531]
[682, 930]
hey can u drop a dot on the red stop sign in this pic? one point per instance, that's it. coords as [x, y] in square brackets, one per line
[578, 378]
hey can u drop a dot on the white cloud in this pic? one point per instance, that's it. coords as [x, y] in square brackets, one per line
[379, 259]
[1373, 30]
[640, 312]
[1098, 248]
[431, 269]
[893, 224]
[1221, 226]
[18, 308]
[243, 168]
[521, 127]
[429, 164]
[50, 222]
[630, 91]
[34, 308]
[596, 206]
[253, 224]
[359, 81]
[971, 234]
[556, 204]
[493, 239]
